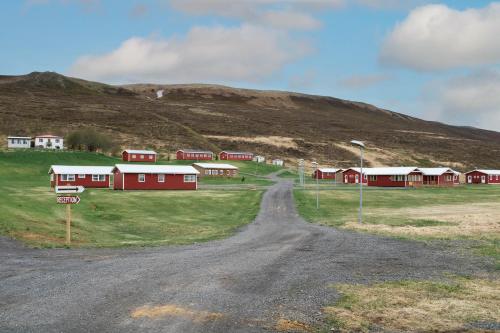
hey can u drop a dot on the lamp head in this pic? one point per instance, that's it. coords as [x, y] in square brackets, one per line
[358, 143]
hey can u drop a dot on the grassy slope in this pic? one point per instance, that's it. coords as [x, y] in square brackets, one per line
[106, 218]
[391, 212]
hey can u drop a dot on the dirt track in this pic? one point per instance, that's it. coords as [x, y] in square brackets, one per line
[279, 267]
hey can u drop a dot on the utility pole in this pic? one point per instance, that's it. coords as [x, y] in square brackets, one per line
[361, 146]
[316, 175]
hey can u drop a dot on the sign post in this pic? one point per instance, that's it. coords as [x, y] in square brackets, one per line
[68, 200]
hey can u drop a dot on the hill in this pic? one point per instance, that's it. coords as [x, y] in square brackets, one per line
[271, 123]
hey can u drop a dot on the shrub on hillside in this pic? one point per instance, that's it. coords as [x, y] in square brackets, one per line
[90, 140]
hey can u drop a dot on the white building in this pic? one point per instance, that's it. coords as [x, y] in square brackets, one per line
[49, 142]
[259, 159]
[278, 162]
[18, 142]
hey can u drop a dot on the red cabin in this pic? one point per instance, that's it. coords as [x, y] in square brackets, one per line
[154, 177]
[483, 177]
[86, 176]
[440, 176]
[235, 156]
[194, 155]
[326, 173]
[351, 176]
[394, 177]
[131, 155]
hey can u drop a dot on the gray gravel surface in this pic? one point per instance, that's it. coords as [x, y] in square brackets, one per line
[277, 267]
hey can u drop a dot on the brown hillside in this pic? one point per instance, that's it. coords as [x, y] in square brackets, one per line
[271, 123]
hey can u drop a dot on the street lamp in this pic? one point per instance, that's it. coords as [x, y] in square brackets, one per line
[316, 175]
[361, 146]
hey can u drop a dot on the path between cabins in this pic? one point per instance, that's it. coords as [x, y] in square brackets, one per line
[277, 269]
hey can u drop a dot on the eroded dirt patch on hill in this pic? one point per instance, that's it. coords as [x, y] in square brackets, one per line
[475, 219]
[277, 141]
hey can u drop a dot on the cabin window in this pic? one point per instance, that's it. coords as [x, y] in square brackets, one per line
[150, 157]
[161, 178]
[40, 140]
[221, 172]
[142, 157]
[141, 178]
[81, 176]
[68, 178]
[189, 178]
[98, 178]
[372, 178]
[134, 156]
[57, 140]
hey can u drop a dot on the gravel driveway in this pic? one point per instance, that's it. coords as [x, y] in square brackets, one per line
[278, 267]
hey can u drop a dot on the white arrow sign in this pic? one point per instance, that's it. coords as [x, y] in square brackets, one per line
[70, 189]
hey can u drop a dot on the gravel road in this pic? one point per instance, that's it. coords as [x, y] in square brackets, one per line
[278, 267]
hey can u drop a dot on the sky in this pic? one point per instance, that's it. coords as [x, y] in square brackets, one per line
[436, 60]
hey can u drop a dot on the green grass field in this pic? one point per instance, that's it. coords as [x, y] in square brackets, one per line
[467, 213]
[28, 210]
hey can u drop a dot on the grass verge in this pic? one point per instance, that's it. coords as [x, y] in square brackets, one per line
[418, 306]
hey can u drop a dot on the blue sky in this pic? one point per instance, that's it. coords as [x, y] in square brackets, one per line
[438, 61]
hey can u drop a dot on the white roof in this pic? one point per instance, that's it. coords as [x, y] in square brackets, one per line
[437, 171]
[81, 170]
[329, 170]
[132, 151]
[19, 137]
[389, 171]
[488, 172]
[215, 166]
[157, 168]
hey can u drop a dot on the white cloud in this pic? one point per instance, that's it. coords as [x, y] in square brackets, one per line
[363, 81]
[472, 100]
[216, 54]
[282, 14]
[436, 37]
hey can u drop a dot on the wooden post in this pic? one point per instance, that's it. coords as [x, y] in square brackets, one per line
[68, 224]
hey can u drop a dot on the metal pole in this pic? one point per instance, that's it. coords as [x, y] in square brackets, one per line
[361, 189]
[317, 187]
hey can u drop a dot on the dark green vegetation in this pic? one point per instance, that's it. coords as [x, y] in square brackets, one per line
[215, 117]
[465, 215]
[28, 210]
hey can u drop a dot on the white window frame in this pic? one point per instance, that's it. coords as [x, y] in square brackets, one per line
[161, 178]
[81, 176]
[141, 176]
[189, 178]
[373, 178]
[142, 157]
[98, 178]
[67, 177]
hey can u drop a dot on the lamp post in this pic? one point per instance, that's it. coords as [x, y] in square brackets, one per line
[361, 146]
[315, 164]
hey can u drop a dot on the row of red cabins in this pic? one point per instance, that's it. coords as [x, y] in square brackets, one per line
[138, 176]
[407, 176]
[131, 155]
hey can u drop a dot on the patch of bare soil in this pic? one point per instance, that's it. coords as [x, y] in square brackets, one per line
[277, 141]
[172, 310]
[285, 325]
[471, 220]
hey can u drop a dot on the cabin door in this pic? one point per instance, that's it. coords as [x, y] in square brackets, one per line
[483, 179]
[346, 180]
[469, 179]
[357, 179]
